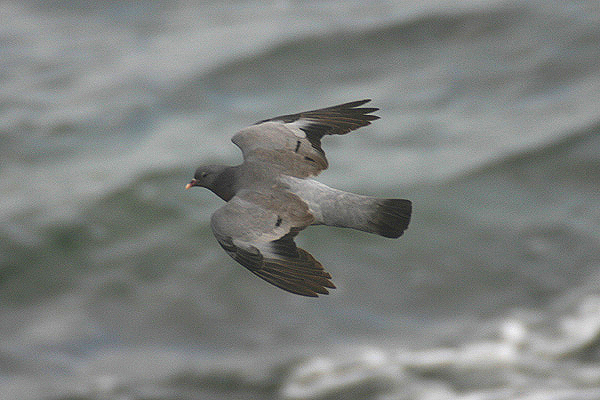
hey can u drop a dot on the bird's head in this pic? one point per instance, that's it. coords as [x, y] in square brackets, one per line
[205, 176]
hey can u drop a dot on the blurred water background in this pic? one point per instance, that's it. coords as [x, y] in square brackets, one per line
[113, 287]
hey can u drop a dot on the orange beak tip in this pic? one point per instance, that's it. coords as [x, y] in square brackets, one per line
[189, 185]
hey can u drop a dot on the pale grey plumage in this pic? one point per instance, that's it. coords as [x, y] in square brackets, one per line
[271, 197]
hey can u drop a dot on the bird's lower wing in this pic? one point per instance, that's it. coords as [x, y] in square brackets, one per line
[260, 235]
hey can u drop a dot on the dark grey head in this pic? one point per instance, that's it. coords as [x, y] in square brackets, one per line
[218, 178]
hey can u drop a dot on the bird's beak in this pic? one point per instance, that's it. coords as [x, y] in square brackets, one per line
[192, 183]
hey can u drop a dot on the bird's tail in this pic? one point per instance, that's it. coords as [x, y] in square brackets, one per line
[385, 217]
[333, 207]
[390, 217]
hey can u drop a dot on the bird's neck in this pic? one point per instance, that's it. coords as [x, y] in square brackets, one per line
[226, 186]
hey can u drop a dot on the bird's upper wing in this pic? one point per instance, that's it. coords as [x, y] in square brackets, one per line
[292, 143]
[257, 228]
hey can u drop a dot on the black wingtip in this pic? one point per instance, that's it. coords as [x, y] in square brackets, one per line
[309, 286]
[302, 275]
[350, 110]
[354, 105]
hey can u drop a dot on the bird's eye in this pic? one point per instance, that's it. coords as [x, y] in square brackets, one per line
[204, 174]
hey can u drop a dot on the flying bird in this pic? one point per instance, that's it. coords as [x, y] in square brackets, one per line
[272, 196]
